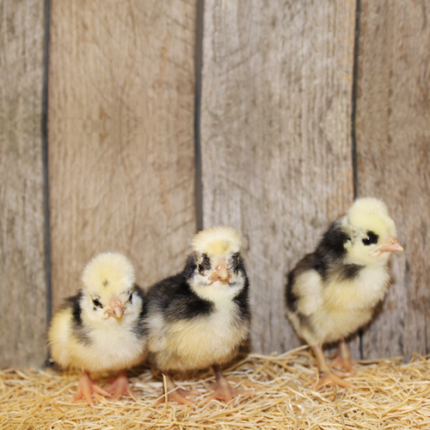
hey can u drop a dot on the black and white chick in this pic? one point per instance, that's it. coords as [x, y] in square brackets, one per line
[102, 328]
[199, 317]
[333, 292]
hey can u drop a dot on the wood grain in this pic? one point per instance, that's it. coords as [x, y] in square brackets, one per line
[275, 133]
[393, 134]
[121, 153]
[23, 311]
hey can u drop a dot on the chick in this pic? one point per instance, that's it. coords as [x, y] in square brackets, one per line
[333, 291]
[199, 317]
[102, 328]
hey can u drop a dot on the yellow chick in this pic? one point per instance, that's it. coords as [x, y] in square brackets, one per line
[199, 317]
[333, 292]
[102, 327]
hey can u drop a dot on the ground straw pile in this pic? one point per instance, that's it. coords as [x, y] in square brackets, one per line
[387, 395]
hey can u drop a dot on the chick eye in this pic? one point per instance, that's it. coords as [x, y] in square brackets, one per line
[130, 298]
[205, 264]
[371, 238]
[97, 303]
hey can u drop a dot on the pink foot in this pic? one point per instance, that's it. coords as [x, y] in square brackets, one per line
[346, 364]
[343, 358]
[121, 386]
[328, 378]
[86, 388]
[223, 391]
[176, 394]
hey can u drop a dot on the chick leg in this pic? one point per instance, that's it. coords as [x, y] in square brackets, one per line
[120, 386]
[86, 388]
[327, 376]
[223, 391]
[176, 394]
[343, 358]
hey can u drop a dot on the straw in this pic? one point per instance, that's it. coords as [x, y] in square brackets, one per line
[387, 395]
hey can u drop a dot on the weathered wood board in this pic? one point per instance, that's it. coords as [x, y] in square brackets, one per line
[276, 137]
[393, 156]
[121, 148]
[23, 311]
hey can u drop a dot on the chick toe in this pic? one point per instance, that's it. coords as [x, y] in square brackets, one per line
[326, 374]
[343, 359]
[120, 386]
[176, 394]
[329, 377]
[223, 390]
[86, 388]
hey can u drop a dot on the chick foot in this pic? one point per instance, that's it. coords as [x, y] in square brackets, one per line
[86, 388]
[175, 394]
[327, 376]
[222, 389]
[343, 359]
[120, 386]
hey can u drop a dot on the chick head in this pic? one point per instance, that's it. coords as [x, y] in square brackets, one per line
[217, 254]
[372, 232]
[109, 285]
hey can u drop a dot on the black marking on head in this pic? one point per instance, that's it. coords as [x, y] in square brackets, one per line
[140, 328]
[105, 283]
[235, 260]
[97, 303]
[371, 238]
[190, 267]
[78, 328]
[205, 264]
[242, 299]
[130, 298]
[174, 298]
[331, 249]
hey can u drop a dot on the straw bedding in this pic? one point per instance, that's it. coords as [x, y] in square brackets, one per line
[387, 395]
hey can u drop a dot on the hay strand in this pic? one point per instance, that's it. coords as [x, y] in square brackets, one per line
[388, 395]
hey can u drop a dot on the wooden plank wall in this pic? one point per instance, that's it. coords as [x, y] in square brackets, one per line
[23, 311]
[393, 149]
[276, 147]
[275, 136]
[121, 146]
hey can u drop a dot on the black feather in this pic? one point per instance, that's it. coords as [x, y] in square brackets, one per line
[190, 267]
[371, 238]
[81, 332]
[306, 263]
[205, 265]
[242, 299]
[331, 249]
[174, 298]
[350, 271]
[327, 259]
[140, 329]
[290, 298]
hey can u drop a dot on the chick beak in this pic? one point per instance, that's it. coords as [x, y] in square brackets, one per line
[392, 245]
[221, 273]
[116, 309]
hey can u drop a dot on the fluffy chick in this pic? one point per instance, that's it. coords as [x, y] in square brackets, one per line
[102, 327]
[333, 291]
[199, 317]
